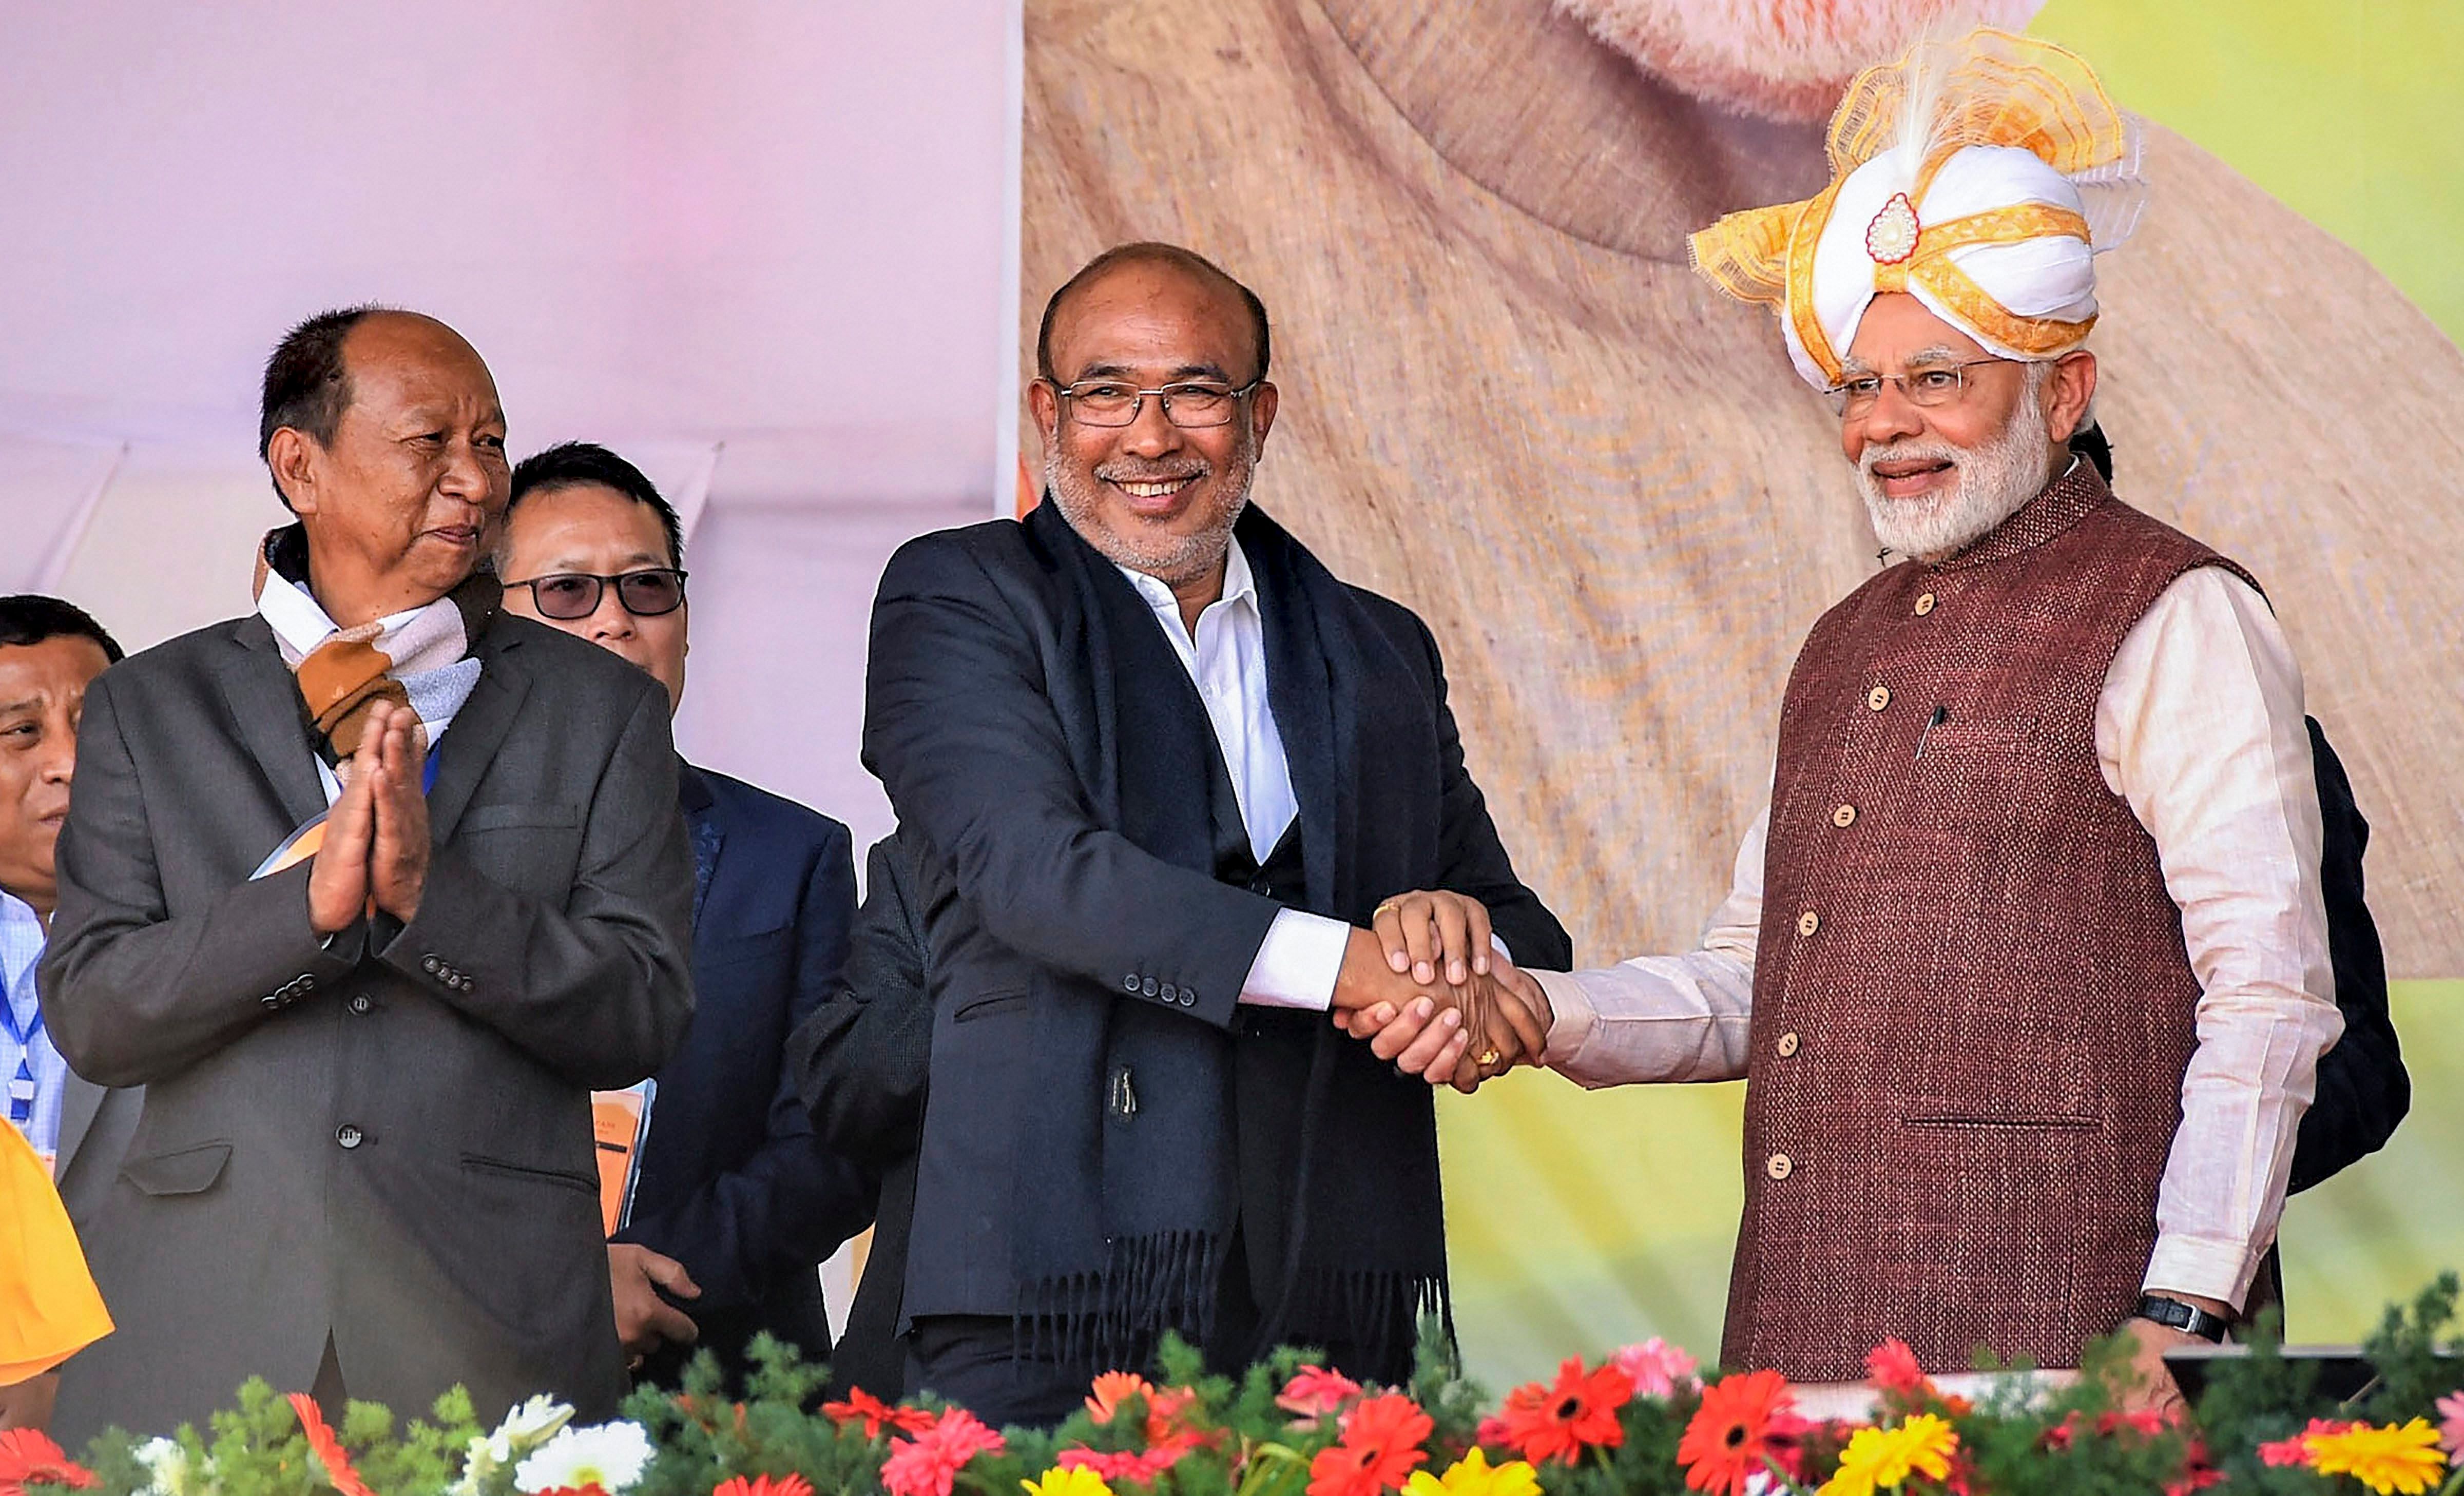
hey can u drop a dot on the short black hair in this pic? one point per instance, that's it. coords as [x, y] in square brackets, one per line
[568, 463]
[307, 385]
[1149, 252]
[32, 618]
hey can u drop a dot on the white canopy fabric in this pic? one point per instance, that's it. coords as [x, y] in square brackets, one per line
[764, 249]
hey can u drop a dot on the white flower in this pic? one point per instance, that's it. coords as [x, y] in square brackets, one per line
[526, 1426]
[610, 1456]
[167, 1466]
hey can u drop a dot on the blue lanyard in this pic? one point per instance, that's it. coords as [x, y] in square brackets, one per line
[21, 1086]
[26, 1036]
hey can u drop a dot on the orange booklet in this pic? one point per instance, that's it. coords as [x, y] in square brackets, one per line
[620, 1120]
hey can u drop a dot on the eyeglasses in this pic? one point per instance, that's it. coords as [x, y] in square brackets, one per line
[1191, 407]
[568, 594]
[1935, 385]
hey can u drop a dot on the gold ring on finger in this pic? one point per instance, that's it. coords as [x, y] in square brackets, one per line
[1487, 1057]
[1384, 906]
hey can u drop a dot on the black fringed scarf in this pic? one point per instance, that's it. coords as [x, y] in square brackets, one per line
[1132, 1179]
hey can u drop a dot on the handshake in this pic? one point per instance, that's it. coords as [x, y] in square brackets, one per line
[1429, 992]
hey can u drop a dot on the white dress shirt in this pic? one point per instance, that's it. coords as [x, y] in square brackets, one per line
[21, 949]
[2199, 727]
[1303, 953]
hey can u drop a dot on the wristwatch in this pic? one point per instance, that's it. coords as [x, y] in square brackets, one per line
[2188, 1318]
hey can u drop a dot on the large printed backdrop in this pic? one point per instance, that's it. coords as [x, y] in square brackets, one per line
[1508, 404]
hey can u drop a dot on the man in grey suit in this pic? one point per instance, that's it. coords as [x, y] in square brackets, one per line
[49, 652]
[365, 1164]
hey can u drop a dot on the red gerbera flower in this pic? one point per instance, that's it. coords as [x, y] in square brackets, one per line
[1123, 1464]
[28, 1456]
[1314, 1392]
[789, 1484]
[327, 1448]
[876, 1415]
[1741, 1427]
[1580, 1411]
[2296, 1450]
[1381, 1444]
[1893, 1367]
[928, 1463]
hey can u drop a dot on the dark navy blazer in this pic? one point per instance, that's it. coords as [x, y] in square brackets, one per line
[732, 1183]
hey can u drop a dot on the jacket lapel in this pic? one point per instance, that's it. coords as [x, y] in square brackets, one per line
[693, 791]
[79, 1100]
[469, 744]
[265, 707]
[1302, 658]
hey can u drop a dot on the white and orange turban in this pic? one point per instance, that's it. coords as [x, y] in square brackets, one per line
[1980, 176]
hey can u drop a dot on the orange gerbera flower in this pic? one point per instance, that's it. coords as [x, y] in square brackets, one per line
[1578, 1413]
[1114, 1388]
[1381, 1444]
[789, 1484]
[328, 1449]
[29, 1455]
[1742, 1428]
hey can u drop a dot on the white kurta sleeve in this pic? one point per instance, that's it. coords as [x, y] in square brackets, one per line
[1667, 1017]
[2200, 728]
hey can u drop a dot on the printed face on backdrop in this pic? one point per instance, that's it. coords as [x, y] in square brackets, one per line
[1786, 62]
[1154, 497]
[1937, 478]
[42, 693]
[591, 529]
[401, 505]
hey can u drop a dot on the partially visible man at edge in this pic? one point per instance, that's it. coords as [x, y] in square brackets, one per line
[737, 1205]
[49, 652]
[2026, 963]
[365, 1164]
[1163, 770]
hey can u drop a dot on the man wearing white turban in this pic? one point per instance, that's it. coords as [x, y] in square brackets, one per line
[2025, 964]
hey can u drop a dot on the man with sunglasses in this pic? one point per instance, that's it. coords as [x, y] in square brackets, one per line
[1163, 772]
[736, 1205]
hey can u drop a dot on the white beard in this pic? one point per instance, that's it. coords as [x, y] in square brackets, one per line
[1170, 558]
[1988, 484]
[1781, 60]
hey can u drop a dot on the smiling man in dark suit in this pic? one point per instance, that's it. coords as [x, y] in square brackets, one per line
[737, 1205]
[365, 1163]
[1163, 771]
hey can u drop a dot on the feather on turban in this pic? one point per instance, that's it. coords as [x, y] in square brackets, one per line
[1980, 175]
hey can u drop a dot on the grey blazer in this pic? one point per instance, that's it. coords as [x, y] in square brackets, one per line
[386, 1142]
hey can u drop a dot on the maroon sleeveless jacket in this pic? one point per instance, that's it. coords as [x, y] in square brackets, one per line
[1972, 1007]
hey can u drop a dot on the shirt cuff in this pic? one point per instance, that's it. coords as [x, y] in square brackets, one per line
[1297, 962]
[2203, 1268]
[1573, 1017]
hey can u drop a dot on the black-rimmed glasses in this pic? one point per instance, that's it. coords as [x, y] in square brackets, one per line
[568, 594]
[1192, 404]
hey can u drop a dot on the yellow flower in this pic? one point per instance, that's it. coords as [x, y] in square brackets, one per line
[1879, 1458]
[2385, 1459]
[1472, 1476]
[1077, 1481]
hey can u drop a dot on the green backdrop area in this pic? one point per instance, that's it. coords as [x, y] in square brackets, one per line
[1582, 1220]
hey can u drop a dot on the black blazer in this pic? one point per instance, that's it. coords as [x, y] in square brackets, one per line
[734, 1184]
[861, 1060]
[993, 709]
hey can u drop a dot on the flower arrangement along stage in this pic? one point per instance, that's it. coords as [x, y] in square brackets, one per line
[1642, 1421]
